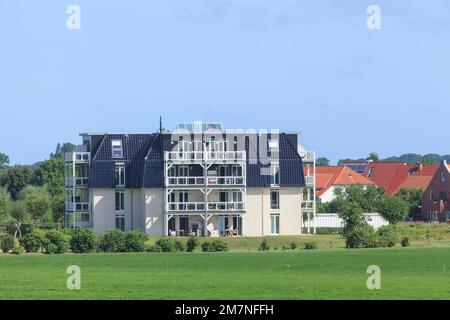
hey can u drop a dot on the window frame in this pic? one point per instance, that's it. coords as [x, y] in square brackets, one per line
[275, 224]
[115, 144]
[277, 203]
[119, 174]
[119, 200]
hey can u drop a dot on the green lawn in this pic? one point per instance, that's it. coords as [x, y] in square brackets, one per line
[416, 273]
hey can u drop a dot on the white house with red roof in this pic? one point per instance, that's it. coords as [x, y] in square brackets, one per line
[329, 179]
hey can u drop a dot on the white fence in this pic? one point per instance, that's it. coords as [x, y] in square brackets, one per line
[332, 220]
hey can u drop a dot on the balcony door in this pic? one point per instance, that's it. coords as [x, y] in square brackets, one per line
[184, 225]
[223, 198]
[183, 198]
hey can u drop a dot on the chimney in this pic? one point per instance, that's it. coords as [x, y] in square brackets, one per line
[420, 167]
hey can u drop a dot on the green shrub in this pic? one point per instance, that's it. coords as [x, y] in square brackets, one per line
[32, 242]
[17, 249]
[166, 244]
[362, 236]
[219, 245]
[112, 241]
[387, 236]
[264, 246]
[55, 242]
[179, 246]
[135, 241]
[7, 243]
[152, 248]
[192, 243]
[82, 240]
[293, 245]
[405, 242]
[207, 247]
[310, 245]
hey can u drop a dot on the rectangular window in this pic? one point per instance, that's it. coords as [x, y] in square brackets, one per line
[120, 223]
[274, 223]
[120, 175]
[183, 171]
[275, 175]
[274, 199]
[120, 200]
[116, 146]
[443, 195]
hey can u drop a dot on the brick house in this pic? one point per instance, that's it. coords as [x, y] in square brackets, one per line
[435, 205]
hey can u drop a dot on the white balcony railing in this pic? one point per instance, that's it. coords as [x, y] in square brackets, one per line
[225, 181]
[226, 206]
[200, 206]
[204, 155]
[79, 157]
[77, 181]
[309, 181]
[186, 181]
[186, 206]
[307, 204]
[77, 206]
[200, 181]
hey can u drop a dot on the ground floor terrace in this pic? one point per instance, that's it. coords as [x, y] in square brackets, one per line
[212, 225]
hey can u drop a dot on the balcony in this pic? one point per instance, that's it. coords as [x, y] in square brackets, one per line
[186, 206]
[309, 181]
[307, 205]
[185, 181]
[77, 206]
[200, 206]
[226, 181]
[78, 157]
[205, 156]
[79, 182]
[210, 181]
[226, 206]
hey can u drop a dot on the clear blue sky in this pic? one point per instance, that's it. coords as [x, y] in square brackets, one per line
[311, 66]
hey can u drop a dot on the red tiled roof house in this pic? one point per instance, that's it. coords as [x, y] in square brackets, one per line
[435, 204]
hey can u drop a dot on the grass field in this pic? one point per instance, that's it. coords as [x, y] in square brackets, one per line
[413, 273]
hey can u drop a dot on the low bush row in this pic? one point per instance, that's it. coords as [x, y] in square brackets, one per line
[86, 240]
[364, 236]
[310, 245]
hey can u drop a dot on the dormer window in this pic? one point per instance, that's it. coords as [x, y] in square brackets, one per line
[116, 146]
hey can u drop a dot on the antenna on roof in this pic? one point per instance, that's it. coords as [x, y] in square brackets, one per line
[160, 125]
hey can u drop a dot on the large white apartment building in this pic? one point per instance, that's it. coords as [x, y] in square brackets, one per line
[196, 180]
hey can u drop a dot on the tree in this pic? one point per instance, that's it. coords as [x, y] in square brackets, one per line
[51, 173]
[352, 214]
[322, 162]
[4, 160]
[374, 157]
[414, 199]
[342, 162]
[15, 178]
[393, 209]
[37, 202]
[5, 202]
[66, 147]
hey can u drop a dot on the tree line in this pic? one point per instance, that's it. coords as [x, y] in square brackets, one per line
[35, 193]
[409, 158]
